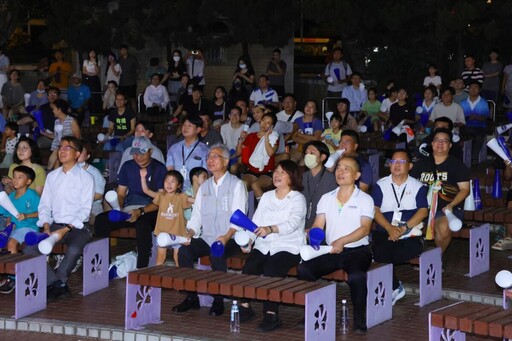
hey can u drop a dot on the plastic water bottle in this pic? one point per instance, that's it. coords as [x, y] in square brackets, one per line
[344, 317]
[234, 322]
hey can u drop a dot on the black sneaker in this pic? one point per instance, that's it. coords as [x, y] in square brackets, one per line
[8, 286]
[246, 314]
[187, 304]
[270, 322]
[59, 291]
[217, 308]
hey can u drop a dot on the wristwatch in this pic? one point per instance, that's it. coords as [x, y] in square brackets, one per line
[142, 212]
[271, 229]
[70, 227]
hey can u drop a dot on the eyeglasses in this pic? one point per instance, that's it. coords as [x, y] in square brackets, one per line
[444, 141]
[400, 162]
[66, 148]
[215, 156]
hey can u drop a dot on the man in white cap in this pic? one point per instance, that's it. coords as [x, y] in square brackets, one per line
[139, 181]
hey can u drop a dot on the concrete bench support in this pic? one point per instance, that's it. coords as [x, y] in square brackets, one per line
[478, 250]
[320, 316]
[95, 266]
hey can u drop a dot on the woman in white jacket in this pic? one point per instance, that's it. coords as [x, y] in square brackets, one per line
[280, 218]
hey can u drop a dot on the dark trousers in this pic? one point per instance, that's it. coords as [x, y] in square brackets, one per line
[197, 248]
[477, 135]
[276, 265]
[76, 239]
[399, 252]
[355, 262]
[144, 226]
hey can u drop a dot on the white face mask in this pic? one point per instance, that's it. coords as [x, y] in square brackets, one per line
[242, 66]
[176, 58]
[310, 161]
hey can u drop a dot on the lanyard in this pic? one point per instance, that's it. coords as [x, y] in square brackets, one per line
[311, 195]
[401, 196]
[183, 153]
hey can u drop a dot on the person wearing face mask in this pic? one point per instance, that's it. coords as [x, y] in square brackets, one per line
[238, 92]
[177, 68]
[317, 180]
[245, 72]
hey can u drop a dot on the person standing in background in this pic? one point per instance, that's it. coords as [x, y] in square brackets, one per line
[60, 71]
[5, 64]
[337, 73]
[276, 70]
[195, 66]
[128, 79]
[492, 70]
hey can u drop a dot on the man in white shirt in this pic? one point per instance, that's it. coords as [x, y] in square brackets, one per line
[337, 73]
[448, 108]
[65, 206]
[195, 67]
[349, 240]
[217, 199]
[156, 97]
[264, 94]
[355, 93]
[289, 112]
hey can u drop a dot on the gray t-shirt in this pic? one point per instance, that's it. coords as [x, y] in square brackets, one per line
[492, 83]
[314, 188]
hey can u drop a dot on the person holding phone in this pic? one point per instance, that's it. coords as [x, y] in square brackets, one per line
[258, 175]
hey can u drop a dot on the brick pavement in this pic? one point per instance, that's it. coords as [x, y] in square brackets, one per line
[103, 312]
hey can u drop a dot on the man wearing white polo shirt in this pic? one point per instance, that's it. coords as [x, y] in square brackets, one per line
[346, 214]
[400, 207]
[263, 95]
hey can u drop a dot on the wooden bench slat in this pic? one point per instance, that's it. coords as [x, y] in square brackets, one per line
[479, 215]
[180, 283]
[492, 214]
[238, 288]
[250, 290]
[288, 296]
[507, 331]
[202, 285]
[144, 278]
[451, 321]
[437, 317]
[10, 264]
[191, 282]
[124, 232]
[226, 288]
[262, 292]
[214, 286]
[275, 294]
[168, 278]
[300, 296]
[133, 276]
[482, 325]
[497, 327]
[466, 323]
[338, 275]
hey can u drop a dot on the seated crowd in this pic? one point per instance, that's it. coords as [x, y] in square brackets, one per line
[225, 149]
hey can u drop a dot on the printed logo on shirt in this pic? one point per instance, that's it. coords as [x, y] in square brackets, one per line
[169, 214]
[428, 177]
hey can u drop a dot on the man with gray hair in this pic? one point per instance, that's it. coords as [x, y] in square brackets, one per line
[216, 200]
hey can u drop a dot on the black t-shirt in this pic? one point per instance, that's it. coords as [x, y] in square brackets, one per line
[195, 108]
[48, 116]
[121, 122]
[397, 113]
[218, 111]
[449, 173]
[181, 69]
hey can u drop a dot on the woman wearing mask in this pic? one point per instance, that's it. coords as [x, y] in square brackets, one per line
[245, 71]
[177, 68]
[317, 180]
[238, 92]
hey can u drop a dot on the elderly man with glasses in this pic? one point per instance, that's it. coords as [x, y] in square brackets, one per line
[217, 199]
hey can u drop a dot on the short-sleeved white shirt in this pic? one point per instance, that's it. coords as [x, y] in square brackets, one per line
[343, 222]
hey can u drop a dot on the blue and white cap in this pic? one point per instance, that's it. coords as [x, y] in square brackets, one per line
[140, 145]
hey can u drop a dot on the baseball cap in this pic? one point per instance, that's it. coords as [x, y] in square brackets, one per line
[140, 145]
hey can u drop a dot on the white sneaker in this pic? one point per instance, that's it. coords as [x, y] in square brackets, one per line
[398, 293]
[58, 260]
[78, 265]
[414, 232]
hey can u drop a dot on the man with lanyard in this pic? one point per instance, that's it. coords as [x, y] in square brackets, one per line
[399, 215]
[216, 200]
[64, 209]
[190, 152]
[317, 181]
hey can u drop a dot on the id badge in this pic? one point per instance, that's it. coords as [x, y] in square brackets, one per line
[397, 216]
[183, 171]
